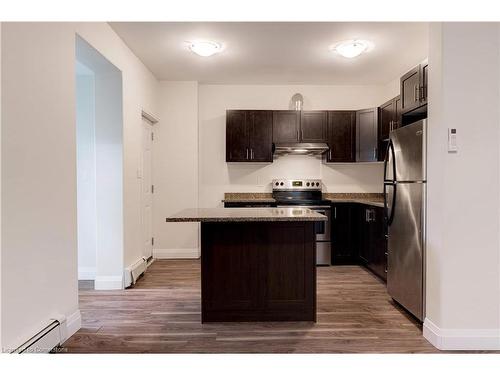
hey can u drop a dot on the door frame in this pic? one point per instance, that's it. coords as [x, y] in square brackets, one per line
[148, 118]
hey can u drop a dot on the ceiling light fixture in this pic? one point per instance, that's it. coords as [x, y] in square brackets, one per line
[205, 48]
[352, 48]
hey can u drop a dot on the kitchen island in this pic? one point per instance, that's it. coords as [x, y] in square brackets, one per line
[257, 264]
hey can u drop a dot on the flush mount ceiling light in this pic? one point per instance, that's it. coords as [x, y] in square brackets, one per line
[352, 48]
[205, 48]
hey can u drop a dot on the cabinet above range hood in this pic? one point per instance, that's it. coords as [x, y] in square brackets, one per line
[300, 148]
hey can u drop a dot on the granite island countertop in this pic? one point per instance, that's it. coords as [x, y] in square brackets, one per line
[205, 215]
[370, 199]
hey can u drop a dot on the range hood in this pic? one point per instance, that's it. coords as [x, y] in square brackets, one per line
[300, 148]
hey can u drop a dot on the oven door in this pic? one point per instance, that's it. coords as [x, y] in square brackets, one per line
[322, 228]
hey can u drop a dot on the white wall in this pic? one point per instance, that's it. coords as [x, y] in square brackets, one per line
[86, 175]
[39, 265]
[463, 290]
[1, 335]
[39, 168]
[175, 169]
[109, 179]
[217, 176]
[139, 92]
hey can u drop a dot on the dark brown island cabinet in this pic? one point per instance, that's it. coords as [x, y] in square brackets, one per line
[256, 264]
[258, 272]
[249, 136]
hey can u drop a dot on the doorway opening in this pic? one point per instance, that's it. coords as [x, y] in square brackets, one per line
[99, 138]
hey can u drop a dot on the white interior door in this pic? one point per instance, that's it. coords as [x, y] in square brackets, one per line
[147, 188]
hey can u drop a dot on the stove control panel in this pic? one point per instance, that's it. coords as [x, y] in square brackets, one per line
[307, 184]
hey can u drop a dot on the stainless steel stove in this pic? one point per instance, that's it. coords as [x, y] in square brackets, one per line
[308, 193]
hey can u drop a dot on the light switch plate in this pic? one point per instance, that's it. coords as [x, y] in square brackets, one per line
[452, 140]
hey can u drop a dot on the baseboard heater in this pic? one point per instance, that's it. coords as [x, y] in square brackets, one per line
[133, 272]
[44, 341]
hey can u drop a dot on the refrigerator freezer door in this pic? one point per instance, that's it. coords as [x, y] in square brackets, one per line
[405, 248]
[409, 144]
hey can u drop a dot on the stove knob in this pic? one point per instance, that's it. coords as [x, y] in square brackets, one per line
[317, 183]
[307, 184]
[281, 183]
[277, 183]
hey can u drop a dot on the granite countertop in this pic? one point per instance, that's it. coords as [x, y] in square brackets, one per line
[205, 215]
[248, 198]
[369, 202]
[371, 199]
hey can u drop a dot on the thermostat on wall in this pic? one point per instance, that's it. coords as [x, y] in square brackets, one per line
[452, 140]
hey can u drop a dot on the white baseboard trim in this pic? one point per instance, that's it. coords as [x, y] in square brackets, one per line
[73, 324]
[193, 253]
[461, 339]
[86, 273]
[108, 282]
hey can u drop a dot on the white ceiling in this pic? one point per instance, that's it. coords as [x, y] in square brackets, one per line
[276, 53]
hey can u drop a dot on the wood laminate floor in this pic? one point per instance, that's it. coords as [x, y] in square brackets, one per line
[161, 314]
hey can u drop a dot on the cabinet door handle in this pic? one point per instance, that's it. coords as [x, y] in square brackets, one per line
[374, 153]
[335, 212]
[298, 136]
[247, 153]
[251, 153]
[390, 125]
[330, 152]
[301, 134]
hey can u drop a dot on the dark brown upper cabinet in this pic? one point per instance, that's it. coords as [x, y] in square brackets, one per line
[313, 126]
[367, 135]
[299, 126]
[341, 137]
[414, 88]
[389, 120]
[249, 136]
[286, 126]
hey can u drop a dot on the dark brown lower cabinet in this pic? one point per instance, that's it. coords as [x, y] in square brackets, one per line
[359, 237]
[343, 234]
[258, 271]
[372, 242]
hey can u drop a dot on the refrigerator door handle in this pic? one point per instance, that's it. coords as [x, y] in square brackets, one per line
[390, 148]
[390, 217]
[386, 160]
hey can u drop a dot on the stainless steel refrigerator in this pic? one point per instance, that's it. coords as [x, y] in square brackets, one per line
[405, 197]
